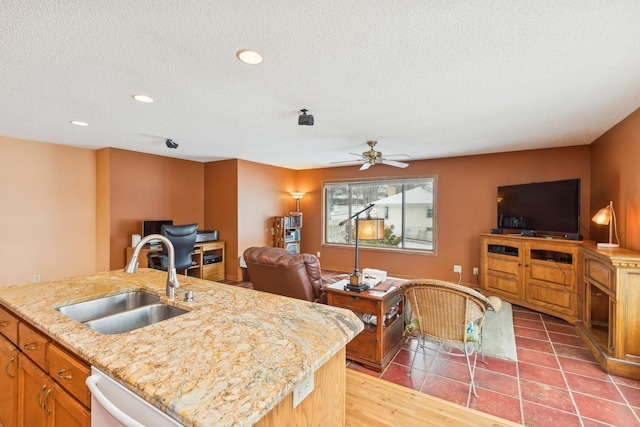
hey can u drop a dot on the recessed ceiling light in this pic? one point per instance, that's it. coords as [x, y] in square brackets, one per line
[142, 98]
[249, 56]
[78, 123]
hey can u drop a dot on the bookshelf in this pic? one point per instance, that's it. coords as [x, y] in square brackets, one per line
[286, 232]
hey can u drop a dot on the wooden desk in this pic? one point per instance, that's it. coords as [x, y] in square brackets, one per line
[376, 345]
[199, 269]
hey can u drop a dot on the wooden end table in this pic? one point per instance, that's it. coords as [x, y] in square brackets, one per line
[376, 345]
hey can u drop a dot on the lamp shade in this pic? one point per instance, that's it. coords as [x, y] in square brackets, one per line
[297, 195]
[603, 216]
[371, 229]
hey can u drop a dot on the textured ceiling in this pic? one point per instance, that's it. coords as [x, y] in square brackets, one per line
[425, 78]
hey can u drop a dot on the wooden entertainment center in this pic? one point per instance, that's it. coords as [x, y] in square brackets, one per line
[201, 268]
[536, 273]
[610, 320]
[597, 290]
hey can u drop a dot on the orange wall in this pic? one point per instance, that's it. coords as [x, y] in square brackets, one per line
[241, 197]
[615, 176]
[466, 206]
[47, 212]
[148, 187]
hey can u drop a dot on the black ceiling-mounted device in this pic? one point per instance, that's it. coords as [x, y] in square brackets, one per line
[171, 144]
[305, 119]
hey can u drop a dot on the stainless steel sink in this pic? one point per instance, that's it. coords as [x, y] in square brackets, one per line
[101, 307]
[134, 319]
[121, 313]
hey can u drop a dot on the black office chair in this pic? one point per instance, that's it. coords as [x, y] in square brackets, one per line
[183, 238]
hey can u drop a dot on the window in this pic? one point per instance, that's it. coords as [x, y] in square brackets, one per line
[401, 203]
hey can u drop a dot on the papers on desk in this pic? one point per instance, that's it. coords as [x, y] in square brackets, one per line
[340, 284]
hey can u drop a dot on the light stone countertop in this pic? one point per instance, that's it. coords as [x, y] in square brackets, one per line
[228, 362]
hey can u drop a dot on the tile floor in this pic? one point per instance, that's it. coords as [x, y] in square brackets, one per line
[555, 381]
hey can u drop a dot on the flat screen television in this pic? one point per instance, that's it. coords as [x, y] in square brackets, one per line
[154, 226]
[541, 208]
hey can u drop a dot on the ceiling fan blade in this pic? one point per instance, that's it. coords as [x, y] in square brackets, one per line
[345, 161]
[394, 163]
[406, 156]
[365, 166]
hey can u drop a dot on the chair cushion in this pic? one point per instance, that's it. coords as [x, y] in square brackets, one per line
[277, 271]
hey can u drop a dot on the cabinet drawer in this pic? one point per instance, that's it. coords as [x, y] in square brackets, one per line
[599, 273]
[70, 373]
[9, 325]
[34, 345]
[213, 271]
[354, 303]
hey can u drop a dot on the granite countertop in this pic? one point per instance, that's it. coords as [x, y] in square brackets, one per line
[227, 362]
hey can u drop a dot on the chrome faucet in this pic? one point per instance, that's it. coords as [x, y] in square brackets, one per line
[172, 276]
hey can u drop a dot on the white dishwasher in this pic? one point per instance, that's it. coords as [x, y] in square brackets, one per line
[113, 405]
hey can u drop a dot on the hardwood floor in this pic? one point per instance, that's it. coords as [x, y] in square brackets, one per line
[374, 402]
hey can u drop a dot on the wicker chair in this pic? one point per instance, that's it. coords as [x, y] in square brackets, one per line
[450, 315]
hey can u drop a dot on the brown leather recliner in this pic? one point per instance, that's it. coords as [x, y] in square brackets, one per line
[279, 272]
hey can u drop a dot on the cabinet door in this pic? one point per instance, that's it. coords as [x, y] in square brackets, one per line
[502, 268]
[42, 402]
[32, 385]
[8, 383]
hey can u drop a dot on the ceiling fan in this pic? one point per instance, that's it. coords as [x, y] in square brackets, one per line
[373, 157]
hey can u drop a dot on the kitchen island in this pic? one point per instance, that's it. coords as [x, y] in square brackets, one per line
[233, 360]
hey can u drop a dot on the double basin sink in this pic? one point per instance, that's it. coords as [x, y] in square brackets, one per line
[121, 313]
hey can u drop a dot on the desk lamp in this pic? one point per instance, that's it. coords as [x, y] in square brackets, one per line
[372, 229]
[606, 216]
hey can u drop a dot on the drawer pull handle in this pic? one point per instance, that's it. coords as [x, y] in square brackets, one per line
[44, 387]
[44, 402]
[30, 346]
[4, 323]
[598, 294]
[6, 368]
[64, 377]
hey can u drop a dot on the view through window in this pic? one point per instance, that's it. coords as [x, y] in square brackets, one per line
[406, 205]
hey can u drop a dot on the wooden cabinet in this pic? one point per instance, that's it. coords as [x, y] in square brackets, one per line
[286, 232]
[610, 314]
[537, 273]
[42, 402]
[9, 368]
[9, 383]
[213, 257]
[29, 396]
[208, 260]
[381, 338]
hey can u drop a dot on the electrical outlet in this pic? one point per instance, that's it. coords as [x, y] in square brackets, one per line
[318, 255]
[457, 269]
[475, 271]
[36, 278]
[303, 390]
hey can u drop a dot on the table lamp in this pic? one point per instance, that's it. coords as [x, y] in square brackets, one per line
[606, 216]
[366, 229]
